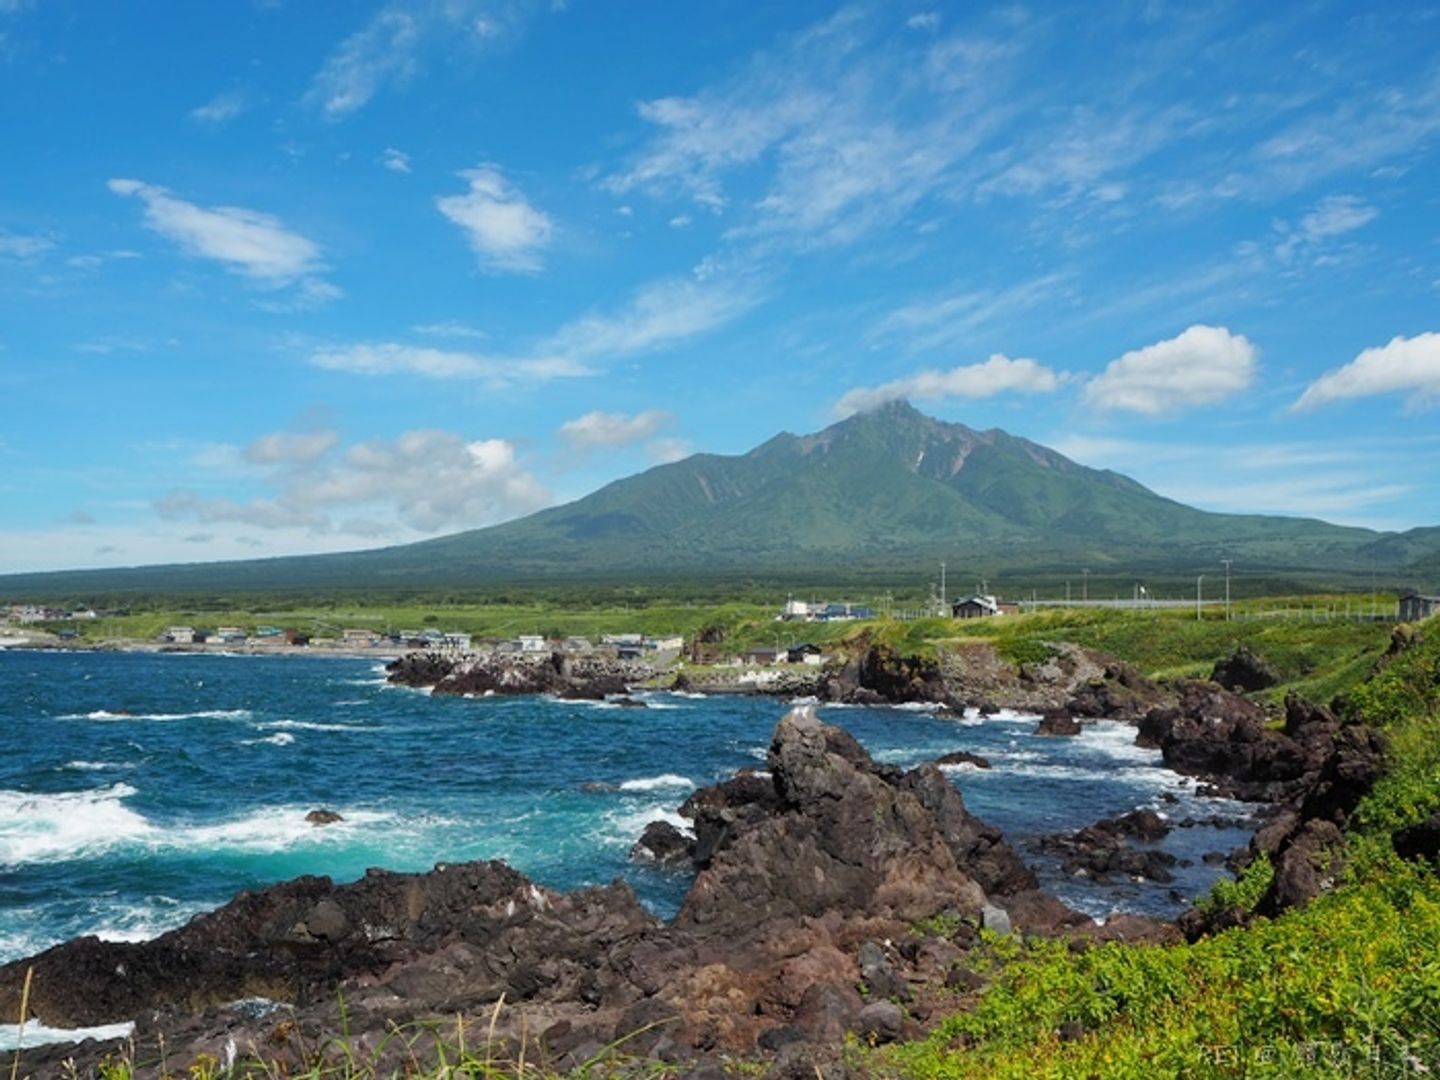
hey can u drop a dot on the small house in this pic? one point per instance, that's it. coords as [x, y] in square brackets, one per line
[456, 640]
[975, 607]
[180, 635]
[230, 635]
[762, 656]
[360, 638]
[804, 653]
[578, 646]
[1415, 607]
[532, 643]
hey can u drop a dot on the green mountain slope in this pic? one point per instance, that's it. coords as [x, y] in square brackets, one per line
[866, 494]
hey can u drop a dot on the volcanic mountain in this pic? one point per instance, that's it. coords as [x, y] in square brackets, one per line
[882, 490]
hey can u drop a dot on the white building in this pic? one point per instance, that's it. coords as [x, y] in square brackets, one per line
[532, 643]
[180, 635]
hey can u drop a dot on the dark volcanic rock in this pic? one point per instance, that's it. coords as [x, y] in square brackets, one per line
[963, 757]
[1243, 672]
[1307, 866]
[1100, 850]
[663, 843]
[296, 942]
[1421, 841]
[588, 678]
[847, 840]
[323, 817]
[1058, 722]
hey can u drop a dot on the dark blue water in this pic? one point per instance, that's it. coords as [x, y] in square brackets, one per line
[125, 825]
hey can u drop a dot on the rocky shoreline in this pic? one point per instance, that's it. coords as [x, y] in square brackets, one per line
[835, 895]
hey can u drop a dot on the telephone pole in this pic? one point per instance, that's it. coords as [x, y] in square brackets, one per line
[1198, 580]
[1085, 586]
[1226, 563]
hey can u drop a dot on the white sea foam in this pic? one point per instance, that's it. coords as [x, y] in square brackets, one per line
[67, 825]
[48, 828]
[280, 738]
[37, 1034]
[308, 725]
[663, 782]
[1117, 740]
[623, 827]
[350, 703]
[203, 714]
[91, 766]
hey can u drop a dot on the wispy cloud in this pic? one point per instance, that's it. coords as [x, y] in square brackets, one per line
[1408, 366]
[291, 448]
[955, 317]
[849, 126]
[660, 314]
[220, 109]
[392, 47]
[255, 245]
[997, 375]
[504, 230]
[609, 430]
[13, 246]
[392, 358]
[395, 160]
[1202, 366]
[1332, 216]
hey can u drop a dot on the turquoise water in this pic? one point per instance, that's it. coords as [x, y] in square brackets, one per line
[137, 790]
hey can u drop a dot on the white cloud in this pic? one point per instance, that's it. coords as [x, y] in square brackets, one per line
[253, 244]
[847, 127]
[390, 358]
[395, 160]
[290, 448]
[505, 231]
[924, 20]
[954, 317]
[451, 328]
[389, 49]
[220, 109]
[997, 375]
[681, 221]
[661, 313]
[1202, 366]
[1404, 365]
[608, 430]
[24, 247]
[668, 450]
[423, 481]
[1331, 217]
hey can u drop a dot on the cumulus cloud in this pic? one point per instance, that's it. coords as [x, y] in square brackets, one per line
[392, 358]
[1404, 365]
[220, 109]
[505, 231]
[255, 245]
[997, 375]
[289, 448]
[424, 481]
[609, 430]
[1202, 366]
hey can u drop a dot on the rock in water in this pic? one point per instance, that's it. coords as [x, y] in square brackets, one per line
[1058, 722]
[323, 817]
[663, 843]
[963, 757]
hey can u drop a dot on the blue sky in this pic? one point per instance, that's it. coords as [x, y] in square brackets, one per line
[281, 277]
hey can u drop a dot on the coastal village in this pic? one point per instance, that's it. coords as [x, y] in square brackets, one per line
[38, 624]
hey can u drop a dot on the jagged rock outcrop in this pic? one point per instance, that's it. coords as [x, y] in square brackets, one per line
[1243, 672]
[1100, 850]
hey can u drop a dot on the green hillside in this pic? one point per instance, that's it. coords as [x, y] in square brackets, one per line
[875, 491]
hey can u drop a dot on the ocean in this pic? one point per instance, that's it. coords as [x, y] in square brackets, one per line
[139, 789]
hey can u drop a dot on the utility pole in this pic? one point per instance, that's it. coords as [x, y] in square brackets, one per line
[1199, 578]
[1226, 563]
[1067, 593]
[944, 596]
[1085, 586]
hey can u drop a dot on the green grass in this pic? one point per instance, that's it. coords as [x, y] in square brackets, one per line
[1349, 986]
